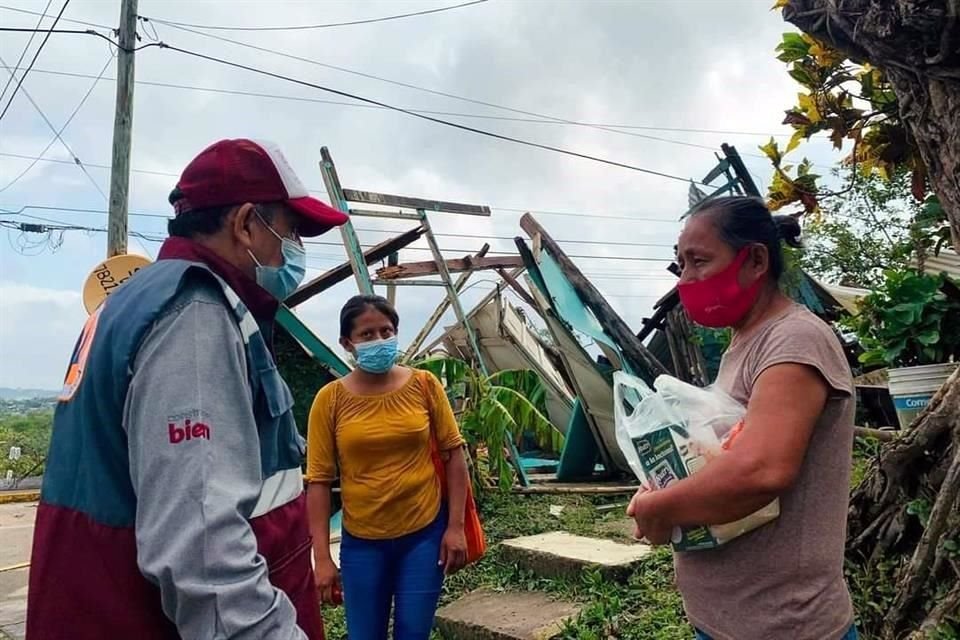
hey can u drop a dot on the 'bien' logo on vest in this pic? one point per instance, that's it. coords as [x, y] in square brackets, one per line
[189, 431]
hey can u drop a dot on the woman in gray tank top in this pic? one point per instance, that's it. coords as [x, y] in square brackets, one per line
[784, 579]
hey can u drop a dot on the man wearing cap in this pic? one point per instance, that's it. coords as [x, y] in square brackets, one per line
[172, 503]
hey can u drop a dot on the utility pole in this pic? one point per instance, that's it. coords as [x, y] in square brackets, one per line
[122, 127]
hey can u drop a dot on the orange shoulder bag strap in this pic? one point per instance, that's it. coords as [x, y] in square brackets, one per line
[473, 529]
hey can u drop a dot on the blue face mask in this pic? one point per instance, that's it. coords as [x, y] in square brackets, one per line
[377, 356]
[283, 280]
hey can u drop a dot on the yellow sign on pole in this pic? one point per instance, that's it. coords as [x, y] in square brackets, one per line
[107, 276]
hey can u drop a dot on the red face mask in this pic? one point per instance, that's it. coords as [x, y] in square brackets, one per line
[720, 301]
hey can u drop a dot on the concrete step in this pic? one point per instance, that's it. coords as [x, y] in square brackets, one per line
[489, 615]
[560, 554]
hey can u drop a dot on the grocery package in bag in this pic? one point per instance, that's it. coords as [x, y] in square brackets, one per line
[672, 433]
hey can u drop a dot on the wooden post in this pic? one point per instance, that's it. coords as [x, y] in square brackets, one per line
[392, 260]
[411, 351]
[518, 288]
[688, 360]
[342, 272]
[740, 170]
[122, 130]
[640, 358]
[456, 265]
[350, 242]
[452, 293]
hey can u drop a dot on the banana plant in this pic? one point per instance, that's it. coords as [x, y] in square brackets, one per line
[491, 410]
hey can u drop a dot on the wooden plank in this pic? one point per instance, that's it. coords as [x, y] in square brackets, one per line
[581, 489]
[331, 181]
[457, 265]
[688, 361]
[884, 435]
[389, 215]
[498, 289]
[516, 286]
[653, 323]
[639, 356]
[392, 260]
[441, 309]
[345, 270]
[740, 169]
[388, 200]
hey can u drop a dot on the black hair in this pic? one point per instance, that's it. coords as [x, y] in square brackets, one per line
[202, 222]
[358, 304]
[743, 220]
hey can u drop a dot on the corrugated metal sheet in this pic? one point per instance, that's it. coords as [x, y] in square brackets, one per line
[947, 262]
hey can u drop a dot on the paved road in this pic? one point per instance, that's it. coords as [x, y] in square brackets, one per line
[16, 533]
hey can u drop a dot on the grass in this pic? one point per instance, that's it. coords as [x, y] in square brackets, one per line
[647, 607]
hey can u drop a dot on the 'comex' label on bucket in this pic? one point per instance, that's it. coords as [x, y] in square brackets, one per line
[912, 402]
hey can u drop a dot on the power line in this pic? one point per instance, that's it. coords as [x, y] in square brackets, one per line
[337, 244]
[51, 225]
[539, 119]
[322, 26]
[44, 14]
[504, 253]
[92, 165]
[414, 114]
[56, 133]
[446, 123]
[34, 60]
[412, 86]
[521, 210]
[457, 114]
[23, 54]
[63, 127]
[510, 238]
[81, 32]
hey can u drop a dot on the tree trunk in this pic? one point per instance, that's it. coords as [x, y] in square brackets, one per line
[917, 44]
[904, 513]
[904, 522]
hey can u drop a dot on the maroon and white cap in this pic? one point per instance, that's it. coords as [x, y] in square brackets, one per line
[232, 172]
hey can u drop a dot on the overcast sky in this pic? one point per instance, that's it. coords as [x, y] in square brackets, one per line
[672, 64]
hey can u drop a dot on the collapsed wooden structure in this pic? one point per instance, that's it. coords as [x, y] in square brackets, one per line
[496, 335]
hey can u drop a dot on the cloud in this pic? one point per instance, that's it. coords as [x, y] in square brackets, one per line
[38, 329]
[697, 65]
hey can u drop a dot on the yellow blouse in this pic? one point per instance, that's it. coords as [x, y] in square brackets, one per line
[381, 445]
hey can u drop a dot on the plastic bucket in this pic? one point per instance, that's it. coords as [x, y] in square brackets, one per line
[912, 387]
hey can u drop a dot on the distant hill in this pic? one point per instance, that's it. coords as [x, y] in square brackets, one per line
[7, 393]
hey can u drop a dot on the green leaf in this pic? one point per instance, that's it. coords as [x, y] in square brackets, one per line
[792, 47]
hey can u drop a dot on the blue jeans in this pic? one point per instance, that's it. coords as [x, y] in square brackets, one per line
[851, 634]
[403, 571]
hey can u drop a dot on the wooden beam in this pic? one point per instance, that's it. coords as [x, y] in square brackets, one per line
[516, 286]
[331, 182]
[638, 355]
[392, 260]
[484, 301]
[740, 169]
[441, 309]
[387, 200]
[655, 322]
[577, 489]
[688, 361]
[457, 265]
[345, 270]
[884, 435]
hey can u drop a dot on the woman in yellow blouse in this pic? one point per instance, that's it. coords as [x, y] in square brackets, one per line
[374, 428]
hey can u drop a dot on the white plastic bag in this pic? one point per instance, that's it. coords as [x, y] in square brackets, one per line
[672, 433]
